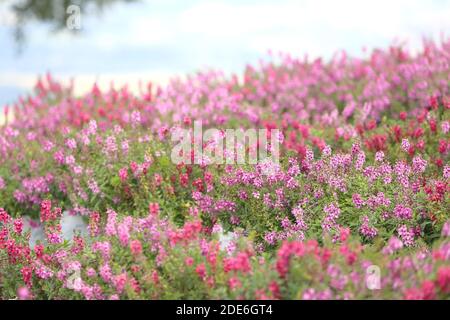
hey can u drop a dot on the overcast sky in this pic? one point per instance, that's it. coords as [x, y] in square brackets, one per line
[153, 40]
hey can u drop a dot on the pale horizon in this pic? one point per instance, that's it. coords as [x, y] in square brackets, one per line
[164, 39]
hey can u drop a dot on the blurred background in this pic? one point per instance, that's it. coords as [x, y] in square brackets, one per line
[154, 40]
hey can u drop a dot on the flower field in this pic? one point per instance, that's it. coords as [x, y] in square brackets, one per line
[357, 207]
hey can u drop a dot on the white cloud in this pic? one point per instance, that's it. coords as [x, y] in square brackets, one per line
[224, 35]
[320, 25]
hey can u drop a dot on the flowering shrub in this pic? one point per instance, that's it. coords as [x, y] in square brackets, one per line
[362, 181]
[149, 258]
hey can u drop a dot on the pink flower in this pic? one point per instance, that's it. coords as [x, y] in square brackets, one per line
[158, 179]
[69, 160]
[58, 156]
[46, 207]
[419, 164]
[155, 277]
[94, 223]
[54, 238]
[105, 272]
[120, 281]
[201, 270]
[349, 109]
[189, 261]
[445, 126]
[446, 229]
[18, 225]
[407, 235]
[357, 200]
[39, 250]
[379, 156]
[92, 128]
[360, 159]
[239, 263]
[110, 228]
[326, 152]
[123, 232]
[413, 294]
[136, 247]
[43, 272]
[234, 220]
[446, 172]
[309, 294]
[135, 118]
[367, 230]
[405, 145]
[27, 274]
[125, 146]
[234, 283]
[93, 186]
[4, 216]
[123, 174]
[271, 237]
[356, 148]
[284, 254]
[443, 279]
[90, 272]
[23, 293]
[77, 170]
[402, 212]
[333, 213]
[71, 143]
[394, 244]
[104, 247]
[48, 146]
[110, 145]
[344, 234]
[428, 290]
[153, 208]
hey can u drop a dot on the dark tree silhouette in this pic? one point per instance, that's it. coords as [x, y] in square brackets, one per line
[51, 12]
